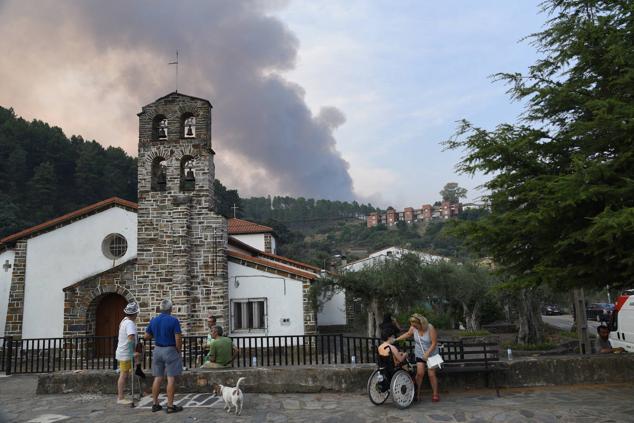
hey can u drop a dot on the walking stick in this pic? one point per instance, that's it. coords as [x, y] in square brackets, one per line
[131, 348]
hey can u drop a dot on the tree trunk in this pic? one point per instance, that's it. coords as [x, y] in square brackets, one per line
[373, 319]
[472, 317]
[531, 330]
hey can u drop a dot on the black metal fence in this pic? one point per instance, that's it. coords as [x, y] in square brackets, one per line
[43, 355]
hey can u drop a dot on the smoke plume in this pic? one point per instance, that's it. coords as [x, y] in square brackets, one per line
[89, 66]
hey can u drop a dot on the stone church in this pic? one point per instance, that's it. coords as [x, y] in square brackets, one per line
[71, 276]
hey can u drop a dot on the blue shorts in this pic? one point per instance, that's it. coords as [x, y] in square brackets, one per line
[166, 361]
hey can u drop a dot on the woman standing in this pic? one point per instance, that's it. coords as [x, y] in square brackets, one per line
[425, 345]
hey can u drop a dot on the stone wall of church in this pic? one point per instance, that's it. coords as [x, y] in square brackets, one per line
[310, 322]
[15, 307]
[182, 243]
[82, 298]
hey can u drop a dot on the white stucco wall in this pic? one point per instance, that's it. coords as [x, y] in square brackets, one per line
[256, 241]
[391, 252]
[57, 259]
[254, 283]
[333, 311]
[5, 286]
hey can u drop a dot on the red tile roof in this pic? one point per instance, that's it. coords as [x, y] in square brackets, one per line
[239, 226]
[274, 257]
[271, 264]
[69, 217]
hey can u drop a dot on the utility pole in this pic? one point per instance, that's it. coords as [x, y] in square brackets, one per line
[582, 321]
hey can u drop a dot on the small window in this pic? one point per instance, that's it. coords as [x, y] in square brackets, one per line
[248, 315]
[114, 246]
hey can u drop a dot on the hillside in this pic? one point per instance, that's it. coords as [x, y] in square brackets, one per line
[45, 174]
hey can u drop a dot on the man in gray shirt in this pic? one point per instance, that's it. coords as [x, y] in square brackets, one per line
[603, 341]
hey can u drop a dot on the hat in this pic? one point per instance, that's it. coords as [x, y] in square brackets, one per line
[131, 308]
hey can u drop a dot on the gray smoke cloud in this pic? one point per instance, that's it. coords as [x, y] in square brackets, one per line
[88, 66]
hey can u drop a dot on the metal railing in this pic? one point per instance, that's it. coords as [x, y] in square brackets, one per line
[44, 355]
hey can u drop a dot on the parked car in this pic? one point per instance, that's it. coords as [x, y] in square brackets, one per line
[600, 312]
[551, 310]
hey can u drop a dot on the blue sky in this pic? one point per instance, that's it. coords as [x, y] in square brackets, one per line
[403, 73]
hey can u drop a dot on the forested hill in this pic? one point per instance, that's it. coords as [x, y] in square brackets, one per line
[44, 174]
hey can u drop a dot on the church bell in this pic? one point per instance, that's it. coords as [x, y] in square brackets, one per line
[162, 181]
[189, 132]
[162, 134]
[189, 182]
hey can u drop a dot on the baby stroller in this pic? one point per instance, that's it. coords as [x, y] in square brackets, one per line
[397, 379]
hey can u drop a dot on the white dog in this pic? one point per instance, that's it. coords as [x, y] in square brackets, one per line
[232, 396]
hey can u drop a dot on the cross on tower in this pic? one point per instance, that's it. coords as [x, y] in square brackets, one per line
[175, 63]
[6, 266]
[234, 207]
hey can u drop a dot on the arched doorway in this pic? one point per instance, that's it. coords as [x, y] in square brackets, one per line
[108, 316]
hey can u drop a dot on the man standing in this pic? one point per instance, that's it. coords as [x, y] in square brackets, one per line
[222, 351]
[166, 359]
[126, 348]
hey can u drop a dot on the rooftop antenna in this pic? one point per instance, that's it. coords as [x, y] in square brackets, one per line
[175, 63]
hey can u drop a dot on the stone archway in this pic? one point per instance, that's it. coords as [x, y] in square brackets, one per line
[83, 299]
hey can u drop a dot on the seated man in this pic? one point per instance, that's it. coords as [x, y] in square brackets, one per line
[603, 341]
[387, 338]
[222, 352]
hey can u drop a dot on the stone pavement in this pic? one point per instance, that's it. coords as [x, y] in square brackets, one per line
[577, 403]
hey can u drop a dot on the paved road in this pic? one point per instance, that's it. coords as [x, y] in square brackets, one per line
[564, 322]
[595, 403]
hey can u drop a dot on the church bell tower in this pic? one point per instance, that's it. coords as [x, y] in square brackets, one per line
[181, 241]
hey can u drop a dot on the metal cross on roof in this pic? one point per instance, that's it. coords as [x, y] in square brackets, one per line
[6, 266]
[175, 63]
[234, 207]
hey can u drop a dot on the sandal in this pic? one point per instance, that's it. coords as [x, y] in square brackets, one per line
[174, 409]
[435, 398]
[156, 407]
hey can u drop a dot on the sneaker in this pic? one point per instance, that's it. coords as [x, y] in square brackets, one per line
[124, 401]
[173, 409]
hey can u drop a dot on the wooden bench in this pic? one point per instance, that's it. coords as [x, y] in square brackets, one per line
[477, 357]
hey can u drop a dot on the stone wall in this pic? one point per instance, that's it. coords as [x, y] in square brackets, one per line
[345, 378]
[15, 308]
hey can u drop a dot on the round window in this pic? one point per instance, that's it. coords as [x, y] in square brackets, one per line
[114, 246]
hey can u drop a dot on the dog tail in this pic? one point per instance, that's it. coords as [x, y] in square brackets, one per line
[239, 382]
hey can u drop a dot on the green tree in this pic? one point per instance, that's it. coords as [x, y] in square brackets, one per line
[452, 192]
[562, 186]
[41, 192]
[226, 200]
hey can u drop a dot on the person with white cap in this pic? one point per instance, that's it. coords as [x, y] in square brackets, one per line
[126, 348]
